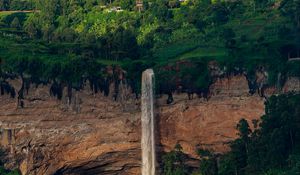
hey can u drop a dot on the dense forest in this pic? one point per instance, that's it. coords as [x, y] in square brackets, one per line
[15, 5]
[68, 42]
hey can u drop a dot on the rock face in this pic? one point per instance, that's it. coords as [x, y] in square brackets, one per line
[96, 135]
[292, 85]
[235, 86]
[206, 124]
[51, 137]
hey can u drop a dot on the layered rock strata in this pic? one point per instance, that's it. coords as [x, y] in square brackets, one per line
[96, 134]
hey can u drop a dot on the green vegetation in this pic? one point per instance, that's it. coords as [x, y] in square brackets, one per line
[272, 148]
[174, 162]
[4, 171]
[66, 43]
[177, 39]
[6, 5]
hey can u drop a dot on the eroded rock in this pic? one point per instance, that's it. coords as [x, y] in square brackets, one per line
[49, 137]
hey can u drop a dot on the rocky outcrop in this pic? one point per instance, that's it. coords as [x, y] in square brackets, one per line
[235, 86]
[291, 85]
[49, 136]
[94, 134]
[206, 124]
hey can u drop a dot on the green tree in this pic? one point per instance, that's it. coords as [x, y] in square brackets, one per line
[235, 162]
[219, 13]
[4, 4]
[244, 130]
[173, 3]
[174, 162]
[208, 163]
[291, 8]
[159, 9]
[4, 171]
[124, 44]
[166, 83]
[15, 23]
[31, 27]
[127, 4]
[273, 147]
[229, 35]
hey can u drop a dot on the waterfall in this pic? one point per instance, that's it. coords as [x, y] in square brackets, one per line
[148, 122]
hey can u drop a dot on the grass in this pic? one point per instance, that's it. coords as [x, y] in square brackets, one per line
[110, 62]
[211, 52]
[192, 49]
[172, 51]
[253, 26]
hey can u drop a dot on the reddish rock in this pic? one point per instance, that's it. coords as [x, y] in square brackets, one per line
[234, 86]
[96, 135]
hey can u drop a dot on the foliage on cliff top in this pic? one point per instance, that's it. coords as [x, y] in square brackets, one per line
[240, 35]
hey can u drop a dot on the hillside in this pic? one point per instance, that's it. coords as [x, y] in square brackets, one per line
[72, 69]
[238, 37]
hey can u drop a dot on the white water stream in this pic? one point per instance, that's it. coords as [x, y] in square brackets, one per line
[148, 123]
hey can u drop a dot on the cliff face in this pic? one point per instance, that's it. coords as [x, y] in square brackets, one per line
[93, 134]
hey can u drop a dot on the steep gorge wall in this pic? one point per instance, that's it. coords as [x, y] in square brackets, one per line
[96, 135]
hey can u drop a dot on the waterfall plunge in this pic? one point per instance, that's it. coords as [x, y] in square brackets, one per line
[148, 122]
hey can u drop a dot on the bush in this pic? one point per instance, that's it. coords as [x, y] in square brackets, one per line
[174, 162]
